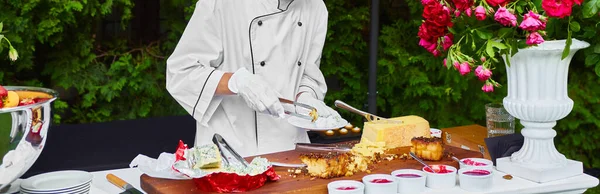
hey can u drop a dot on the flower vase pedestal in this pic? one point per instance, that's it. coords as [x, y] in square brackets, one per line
[537, 95]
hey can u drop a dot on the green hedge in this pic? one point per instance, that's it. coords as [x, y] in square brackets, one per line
[104, 72]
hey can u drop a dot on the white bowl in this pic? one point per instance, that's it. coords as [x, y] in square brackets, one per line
[440, 180]
[480, 179]
[435, 132]
[473, 162]
[335, 187]
[388, 187]
[410, 181]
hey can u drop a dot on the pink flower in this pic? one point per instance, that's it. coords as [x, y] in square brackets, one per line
[468, 12]
[425, 2]
[445, 63]
[534, 38]
[504, 17]
[531, 22]
[480, 13]
[578, 2]
[464, 68]
[447, 42]
[456, 65]
[483, 73]
[488, 87]
[482, 59]
[494, 3]
[429, 46]
[557, 8]
[456, 13]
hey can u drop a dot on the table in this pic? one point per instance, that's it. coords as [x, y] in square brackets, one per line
[571, 185]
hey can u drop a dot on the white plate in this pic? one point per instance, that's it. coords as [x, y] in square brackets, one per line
[309, 125]
[58, 180]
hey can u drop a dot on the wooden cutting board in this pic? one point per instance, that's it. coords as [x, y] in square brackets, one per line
[301, 183]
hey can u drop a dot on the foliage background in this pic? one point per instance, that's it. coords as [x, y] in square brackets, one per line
[107, 59]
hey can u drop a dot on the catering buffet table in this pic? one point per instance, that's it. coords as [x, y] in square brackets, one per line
[576, 184]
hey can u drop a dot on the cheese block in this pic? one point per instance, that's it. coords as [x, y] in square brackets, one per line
[206, 156]
[395, 135]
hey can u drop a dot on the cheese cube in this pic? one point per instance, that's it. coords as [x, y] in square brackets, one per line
[396, 134]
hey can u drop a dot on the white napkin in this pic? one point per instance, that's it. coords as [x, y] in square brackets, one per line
[157, 168]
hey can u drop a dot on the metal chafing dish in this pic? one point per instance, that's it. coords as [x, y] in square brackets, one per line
[26, 135]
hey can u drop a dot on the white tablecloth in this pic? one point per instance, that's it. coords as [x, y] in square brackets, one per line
[577, 184]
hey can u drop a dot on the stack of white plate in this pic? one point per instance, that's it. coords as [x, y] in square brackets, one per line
[69, 181]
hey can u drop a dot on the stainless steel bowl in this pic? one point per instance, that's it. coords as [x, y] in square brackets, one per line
[26, 135]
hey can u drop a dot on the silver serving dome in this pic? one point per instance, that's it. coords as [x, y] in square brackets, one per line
[26, 136]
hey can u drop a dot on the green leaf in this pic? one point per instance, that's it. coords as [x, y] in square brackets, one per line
[504, 32]
[538, 4]
[498, 45]
[574, 26]
[452, 30]
[597, 48]
[1, 26]
[592, 59]
[590, 8]
[489, 49]
[567, 46]
[597, 69]
[483, 34]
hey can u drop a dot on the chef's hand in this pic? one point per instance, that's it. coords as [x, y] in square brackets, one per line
[256, 93]
[322, 109]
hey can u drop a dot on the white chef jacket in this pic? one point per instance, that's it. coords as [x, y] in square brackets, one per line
[279, 40]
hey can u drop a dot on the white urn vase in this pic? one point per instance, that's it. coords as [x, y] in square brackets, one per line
[537, 95]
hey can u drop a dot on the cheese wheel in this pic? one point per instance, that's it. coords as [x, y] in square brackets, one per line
[394, 134]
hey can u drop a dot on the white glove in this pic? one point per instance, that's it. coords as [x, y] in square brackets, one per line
[322, 109]
[255, 92]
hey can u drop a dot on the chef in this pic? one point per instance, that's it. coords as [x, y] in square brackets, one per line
[236, 58]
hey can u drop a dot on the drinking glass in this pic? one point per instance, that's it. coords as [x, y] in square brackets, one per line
[499, 122]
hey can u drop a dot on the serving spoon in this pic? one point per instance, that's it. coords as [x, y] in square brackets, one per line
[460, 162]
[421, 161]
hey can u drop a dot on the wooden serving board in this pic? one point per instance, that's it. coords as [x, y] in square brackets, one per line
[301, 183]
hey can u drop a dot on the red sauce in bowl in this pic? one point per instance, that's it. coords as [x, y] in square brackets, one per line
[346, 188]
[477, 172]
[381, 181]
[408, 175]
[473, 162]
[441, 169]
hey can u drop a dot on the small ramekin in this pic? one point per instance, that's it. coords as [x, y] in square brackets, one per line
[410, 184]
[335, 187]
[440, 180]
[475, 183]
[390, 187]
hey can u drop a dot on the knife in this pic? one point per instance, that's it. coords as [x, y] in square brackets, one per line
[323, 147]
[115, 180]
[370, 117]
[294, 112]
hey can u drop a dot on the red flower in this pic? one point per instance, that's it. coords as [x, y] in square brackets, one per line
[463, 5]
[435, 13]
[497, 2]
[557, 8]
[431, 32]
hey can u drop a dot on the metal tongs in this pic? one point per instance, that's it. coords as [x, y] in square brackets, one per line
[223, 145]
[295, 112]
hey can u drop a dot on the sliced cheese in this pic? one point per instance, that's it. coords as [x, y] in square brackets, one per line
[395, 135]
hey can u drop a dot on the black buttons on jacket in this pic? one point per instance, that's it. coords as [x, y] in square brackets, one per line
[260, 22]
[299, 63]
[299, 23]
[262, 63]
